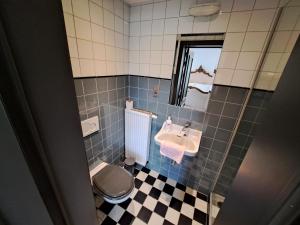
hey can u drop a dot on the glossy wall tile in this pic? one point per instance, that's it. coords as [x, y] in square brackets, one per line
[103, 97]
[251, 119]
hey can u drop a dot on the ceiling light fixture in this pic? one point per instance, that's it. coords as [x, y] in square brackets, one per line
[205, 9]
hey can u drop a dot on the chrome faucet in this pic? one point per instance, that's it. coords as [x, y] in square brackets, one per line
[184, 130]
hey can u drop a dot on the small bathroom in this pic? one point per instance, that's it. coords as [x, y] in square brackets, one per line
[150, 112]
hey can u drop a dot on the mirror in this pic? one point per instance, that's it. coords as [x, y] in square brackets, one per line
[195, 66]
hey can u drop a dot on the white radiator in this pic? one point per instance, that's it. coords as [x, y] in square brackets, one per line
[137, 135]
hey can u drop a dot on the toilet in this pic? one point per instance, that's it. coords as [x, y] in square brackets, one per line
[112, 182]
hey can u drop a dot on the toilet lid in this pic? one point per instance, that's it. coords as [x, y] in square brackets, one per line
[113, 181]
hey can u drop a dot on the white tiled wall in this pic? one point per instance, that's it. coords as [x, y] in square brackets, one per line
[281, 46]
[98, 36]
[154, 26]
[107, 37]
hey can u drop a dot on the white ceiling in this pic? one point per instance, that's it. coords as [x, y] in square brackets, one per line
[137, 2]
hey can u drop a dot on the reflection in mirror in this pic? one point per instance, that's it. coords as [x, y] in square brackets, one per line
[195, 71]
[205, 61]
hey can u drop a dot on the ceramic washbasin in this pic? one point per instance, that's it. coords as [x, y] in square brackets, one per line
[173, 133]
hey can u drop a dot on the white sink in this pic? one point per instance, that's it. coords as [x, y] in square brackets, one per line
[173, 133]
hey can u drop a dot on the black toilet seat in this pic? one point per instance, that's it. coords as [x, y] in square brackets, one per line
[113, 182]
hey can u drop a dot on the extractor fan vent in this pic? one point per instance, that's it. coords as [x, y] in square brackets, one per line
[205, 9]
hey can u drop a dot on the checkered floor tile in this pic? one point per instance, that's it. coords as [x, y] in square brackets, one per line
[155, 200]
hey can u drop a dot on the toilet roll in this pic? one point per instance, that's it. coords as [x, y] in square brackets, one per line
[154, 116]
[129, 104]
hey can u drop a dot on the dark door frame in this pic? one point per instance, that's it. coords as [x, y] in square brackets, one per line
[38, 93]
[14, 100]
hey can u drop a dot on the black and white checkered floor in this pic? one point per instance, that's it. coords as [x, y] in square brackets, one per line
[155, 200]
